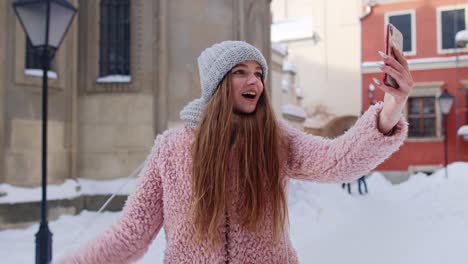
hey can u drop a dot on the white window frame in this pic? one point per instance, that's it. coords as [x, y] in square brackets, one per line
[412, 13]
[439, 28]
[427, 89]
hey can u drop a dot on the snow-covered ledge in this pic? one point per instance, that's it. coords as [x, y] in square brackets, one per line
[293, 29]
[280, 49]
[289, 67]
[38, 73]
[299, 93]
[284, 86]
[463, 131]
[294, 111]
[114, 79]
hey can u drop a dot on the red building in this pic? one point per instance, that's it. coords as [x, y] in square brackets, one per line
[436, 62]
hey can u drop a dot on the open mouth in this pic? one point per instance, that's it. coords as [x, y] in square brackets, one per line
[249, 95]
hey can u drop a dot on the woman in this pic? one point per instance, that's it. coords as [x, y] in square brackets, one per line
[218, 184]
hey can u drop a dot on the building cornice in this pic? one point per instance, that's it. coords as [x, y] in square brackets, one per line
[438, 85]
[431, 63]
[465, 83]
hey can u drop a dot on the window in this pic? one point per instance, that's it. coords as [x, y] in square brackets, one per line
[405, 22]
[114, 57]
[33, 62]
[450, 20]
[423, 113]
[422, 116]
[33, 56]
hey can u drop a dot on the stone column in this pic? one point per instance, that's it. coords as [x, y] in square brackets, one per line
[217, 20]
[3, 68]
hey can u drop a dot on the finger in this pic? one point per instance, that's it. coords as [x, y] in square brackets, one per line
[398, 76]
[400, 58]
[403, 79]
[387, 89]
[389, 60]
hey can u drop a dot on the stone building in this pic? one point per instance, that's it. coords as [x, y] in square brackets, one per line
[286, 95]
[122, 74]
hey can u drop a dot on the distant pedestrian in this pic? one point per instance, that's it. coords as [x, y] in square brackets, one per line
[361, 181]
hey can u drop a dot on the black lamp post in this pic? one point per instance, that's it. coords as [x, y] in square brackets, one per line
[445, 103]
[45, 23]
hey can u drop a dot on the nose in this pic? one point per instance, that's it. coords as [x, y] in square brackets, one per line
[252, 79]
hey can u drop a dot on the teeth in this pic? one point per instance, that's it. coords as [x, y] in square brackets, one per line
[250, 93]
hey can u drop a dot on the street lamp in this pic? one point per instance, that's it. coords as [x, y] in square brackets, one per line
[370, 94]
[445, 104]
[461, 41]
[461, 38]
[45, 23]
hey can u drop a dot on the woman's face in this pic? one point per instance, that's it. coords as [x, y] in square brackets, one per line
[246, 86]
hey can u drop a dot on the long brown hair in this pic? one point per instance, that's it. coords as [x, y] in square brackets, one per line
[255, 139]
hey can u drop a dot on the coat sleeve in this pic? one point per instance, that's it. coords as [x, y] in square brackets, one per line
[142, 217]
[346, 158]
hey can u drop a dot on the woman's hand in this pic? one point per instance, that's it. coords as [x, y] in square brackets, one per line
[395, 98]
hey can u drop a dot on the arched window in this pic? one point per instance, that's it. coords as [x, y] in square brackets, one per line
[114, 56]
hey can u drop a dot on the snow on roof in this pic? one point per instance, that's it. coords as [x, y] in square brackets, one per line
[292, 29]
[289, 67]
[299, 93]
[293, 110]
[279, 48]
[284, 85]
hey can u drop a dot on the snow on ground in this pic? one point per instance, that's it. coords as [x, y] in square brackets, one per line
[423, 220]
[69, 189]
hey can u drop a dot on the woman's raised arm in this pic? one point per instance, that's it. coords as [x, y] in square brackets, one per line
[347, 157]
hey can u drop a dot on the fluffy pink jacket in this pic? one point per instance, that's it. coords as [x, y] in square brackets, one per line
[163, 194]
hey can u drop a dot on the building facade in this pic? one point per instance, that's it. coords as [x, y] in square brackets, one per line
[286, 95]
[323, 40]
[436, 63]
[122, 74]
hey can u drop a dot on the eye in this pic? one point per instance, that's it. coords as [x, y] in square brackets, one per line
[259, 74]
[239, 71]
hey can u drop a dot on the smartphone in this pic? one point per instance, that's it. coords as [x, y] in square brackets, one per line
[393, 41]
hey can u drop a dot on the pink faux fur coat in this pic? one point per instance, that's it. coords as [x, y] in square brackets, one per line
[162, 197]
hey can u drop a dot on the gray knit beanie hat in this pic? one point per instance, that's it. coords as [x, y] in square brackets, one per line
[213, 64]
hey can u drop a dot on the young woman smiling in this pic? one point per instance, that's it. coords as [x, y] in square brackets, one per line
[218, 184]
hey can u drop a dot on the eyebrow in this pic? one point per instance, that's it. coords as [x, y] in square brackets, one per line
[244, 65]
